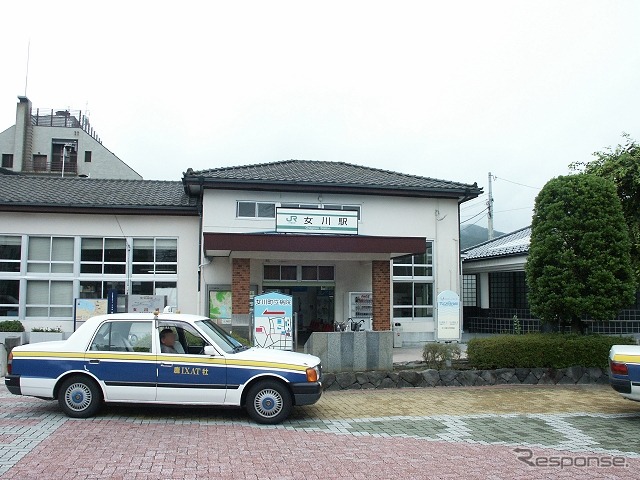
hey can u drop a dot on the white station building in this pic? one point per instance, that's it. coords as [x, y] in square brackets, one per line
[343, 240]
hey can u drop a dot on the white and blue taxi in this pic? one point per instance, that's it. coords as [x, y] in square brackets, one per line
[624, 370]
[120, 358]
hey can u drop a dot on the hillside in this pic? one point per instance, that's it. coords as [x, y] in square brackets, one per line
[474, 234]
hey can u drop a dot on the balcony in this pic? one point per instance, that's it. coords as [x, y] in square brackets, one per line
[54, 167]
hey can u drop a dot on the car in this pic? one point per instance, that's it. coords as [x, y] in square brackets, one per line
[624, 370]
[119, 358]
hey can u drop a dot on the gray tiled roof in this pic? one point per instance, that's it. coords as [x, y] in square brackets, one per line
[323, 173]
[514, 243]
[74, 192]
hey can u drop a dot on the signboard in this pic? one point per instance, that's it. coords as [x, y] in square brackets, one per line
[85, 308]
[298, 220]
[272, 321]
[448, 316]
[146, 303]
[220, 305]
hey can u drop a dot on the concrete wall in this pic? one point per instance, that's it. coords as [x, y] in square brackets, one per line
[185, 229]
[352, 351]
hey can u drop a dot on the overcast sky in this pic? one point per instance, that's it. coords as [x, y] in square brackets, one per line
[447, 89]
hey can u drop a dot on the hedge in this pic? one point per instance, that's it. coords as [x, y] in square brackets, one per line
[11, 326]
[542, 350]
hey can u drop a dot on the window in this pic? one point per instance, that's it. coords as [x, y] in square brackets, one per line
[87, 156]
[9, 298]
[507, 290]
[39, 163]
[308, 273]
[469, 290]
[64, 152]
[155, 256]
[99, 289]
[414, 265]
[413, 285]
[256, 210]
[7, 160]
[10, 253]
[49, 298]
[103, 256]
[123, 337]
[50, 255]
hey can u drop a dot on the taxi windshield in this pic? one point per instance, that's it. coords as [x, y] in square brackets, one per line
[222, 339]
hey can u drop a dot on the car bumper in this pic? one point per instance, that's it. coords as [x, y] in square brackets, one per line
[12, 382]
[306, 393]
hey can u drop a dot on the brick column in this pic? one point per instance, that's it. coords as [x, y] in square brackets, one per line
[381, 281]
[240, 279]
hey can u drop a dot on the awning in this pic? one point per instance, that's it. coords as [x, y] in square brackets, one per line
[222, 244]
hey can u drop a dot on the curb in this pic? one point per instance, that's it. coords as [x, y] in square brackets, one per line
[575, 375]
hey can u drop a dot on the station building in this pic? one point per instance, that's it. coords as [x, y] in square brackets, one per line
[315, 230]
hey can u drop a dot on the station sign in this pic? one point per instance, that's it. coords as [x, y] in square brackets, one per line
[300, 220]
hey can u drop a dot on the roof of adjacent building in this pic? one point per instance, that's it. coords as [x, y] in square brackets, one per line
[314, 175]
[56, 194]
[514, 243]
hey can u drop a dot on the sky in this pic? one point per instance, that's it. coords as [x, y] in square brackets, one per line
[447, 89]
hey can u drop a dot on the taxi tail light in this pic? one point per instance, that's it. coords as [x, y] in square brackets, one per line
[312, 375]
[619, 368]
[9, 361]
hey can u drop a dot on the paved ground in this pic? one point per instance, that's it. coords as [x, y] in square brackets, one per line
[448, 432]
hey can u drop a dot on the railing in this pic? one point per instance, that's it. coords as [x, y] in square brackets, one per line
[627, 323]
[70, 167]
[48, 117]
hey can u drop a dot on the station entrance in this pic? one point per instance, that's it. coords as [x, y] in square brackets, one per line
[313, 308]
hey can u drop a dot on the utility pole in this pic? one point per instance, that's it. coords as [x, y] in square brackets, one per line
[490, 211]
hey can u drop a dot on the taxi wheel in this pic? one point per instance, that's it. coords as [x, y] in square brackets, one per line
[269, 402]
[79, 397]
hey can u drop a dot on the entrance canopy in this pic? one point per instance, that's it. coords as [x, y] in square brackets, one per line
[224, 244]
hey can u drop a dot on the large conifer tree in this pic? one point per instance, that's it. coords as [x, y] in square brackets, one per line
[579, 262]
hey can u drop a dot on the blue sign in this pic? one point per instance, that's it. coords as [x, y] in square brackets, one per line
[272, 320]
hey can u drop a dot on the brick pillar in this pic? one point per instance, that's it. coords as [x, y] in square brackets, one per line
[381, 281]
[240, 279]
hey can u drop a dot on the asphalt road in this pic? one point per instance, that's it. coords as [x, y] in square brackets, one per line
[446, 432]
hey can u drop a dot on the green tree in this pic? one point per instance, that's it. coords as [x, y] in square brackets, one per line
[622, 166]
[579, 261]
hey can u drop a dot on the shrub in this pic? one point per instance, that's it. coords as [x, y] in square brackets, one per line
[11, 326]
[436, 355]
[545, 350]
[47, 329]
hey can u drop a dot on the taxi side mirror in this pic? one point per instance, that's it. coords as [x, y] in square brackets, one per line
[209, 350]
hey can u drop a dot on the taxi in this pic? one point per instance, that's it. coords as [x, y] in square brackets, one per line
[624, 370]
[163, 358]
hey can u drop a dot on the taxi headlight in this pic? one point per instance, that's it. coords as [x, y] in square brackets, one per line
[313, 374]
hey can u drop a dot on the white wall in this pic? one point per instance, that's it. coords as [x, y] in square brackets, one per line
[182, 227]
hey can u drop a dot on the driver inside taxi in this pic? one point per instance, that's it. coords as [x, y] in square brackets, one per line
[167, 341]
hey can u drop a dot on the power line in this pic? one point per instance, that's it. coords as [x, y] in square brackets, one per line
[513, 209]
[471, 218]
[515, 183]
[479, 201]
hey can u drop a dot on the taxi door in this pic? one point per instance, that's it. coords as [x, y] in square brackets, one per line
[120, 357]
[190, 377]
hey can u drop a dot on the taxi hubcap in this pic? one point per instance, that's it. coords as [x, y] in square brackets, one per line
[78, 396]
[268, 403]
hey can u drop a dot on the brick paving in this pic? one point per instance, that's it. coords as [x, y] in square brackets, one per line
[441, 433]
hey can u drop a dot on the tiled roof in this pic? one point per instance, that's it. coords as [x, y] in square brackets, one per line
[514, 243]
[74, 193]
[329, 174]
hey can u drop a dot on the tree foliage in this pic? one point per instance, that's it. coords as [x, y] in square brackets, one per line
[622, 166]
[579, 262]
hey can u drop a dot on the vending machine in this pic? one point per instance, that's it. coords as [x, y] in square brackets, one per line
[360, 308]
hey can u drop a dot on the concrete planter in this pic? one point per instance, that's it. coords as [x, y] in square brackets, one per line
[37, 337]
[22, 335]
[352, 351]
